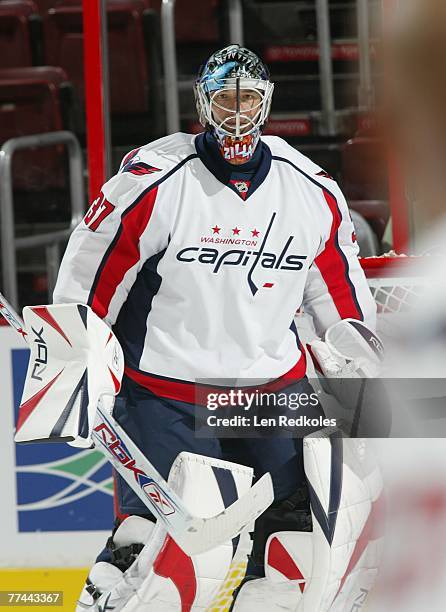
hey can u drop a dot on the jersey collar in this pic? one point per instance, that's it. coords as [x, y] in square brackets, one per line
[255, 170]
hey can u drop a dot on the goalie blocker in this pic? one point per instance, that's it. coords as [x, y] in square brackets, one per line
[75, 359]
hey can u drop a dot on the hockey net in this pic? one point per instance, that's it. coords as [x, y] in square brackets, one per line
[396, 286]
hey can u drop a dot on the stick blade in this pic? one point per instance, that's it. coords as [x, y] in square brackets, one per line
[203, 534]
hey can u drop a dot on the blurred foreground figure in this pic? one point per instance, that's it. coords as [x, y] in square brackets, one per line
[413, 577]
[416, 101]
[416, 104]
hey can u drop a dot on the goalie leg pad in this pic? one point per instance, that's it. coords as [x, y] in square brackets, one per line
[164, 578]
[334, 567]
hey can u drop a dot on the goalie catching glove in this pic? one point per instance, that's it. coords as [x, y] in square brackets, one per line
[350, 350]
[75, 359]
[349, 363]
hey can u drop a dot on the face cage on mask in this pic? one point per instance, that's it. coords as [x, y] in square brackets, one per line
[205, 95]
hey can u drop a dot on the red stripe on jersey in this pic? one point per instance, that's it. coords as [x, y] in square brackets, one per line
[316, 363]
[123, 253]
[190, 393]
[333, 266]
[172, 562]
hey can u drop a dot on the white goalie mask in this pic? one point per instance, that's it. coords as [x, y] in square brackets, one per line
[233, 96]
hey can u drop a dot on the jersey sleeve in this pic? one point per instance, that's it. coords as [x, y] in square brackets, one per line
[123, 227]
[336, 286]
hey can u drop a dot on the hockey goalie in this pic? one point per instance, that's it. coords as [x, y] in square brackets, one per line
[195, 258]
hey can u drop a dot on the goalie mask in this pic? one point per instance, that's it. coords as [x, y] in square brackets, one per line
[233, 96]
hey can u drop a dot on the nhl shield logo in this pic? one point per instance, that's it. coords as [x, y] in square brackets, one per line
[156, 497]
[241, 186]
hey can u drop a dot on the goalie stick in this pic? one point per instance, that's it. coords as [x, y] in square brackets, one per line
[193, 534]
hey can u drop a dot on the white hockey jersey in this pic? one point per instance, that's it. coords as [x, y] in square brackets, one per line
[200, 277]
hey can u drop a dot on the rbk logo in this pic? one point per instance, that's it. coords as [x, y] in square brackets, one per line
[41, 360]
[154, 493]
[118, 450]
[240, 257]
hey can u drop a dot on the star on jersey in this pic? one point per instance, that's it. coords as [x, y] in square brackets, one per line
[255, 233]
[236, 231]
[216, 229]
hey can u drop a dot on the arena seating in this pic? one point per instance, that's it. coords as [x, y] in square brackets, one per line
[45, 5]
[194, 22]
[16, 33]
[364, 169]
[283, 31]
[128, 64]
[31, 103]
[364, 182]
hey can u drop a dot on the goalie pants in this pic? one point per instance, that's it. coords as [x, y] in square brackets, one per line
[162, 428]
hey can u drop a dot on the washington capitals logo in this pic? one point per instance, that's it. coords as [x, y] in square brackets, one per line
[268, 260]
[140, 168]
